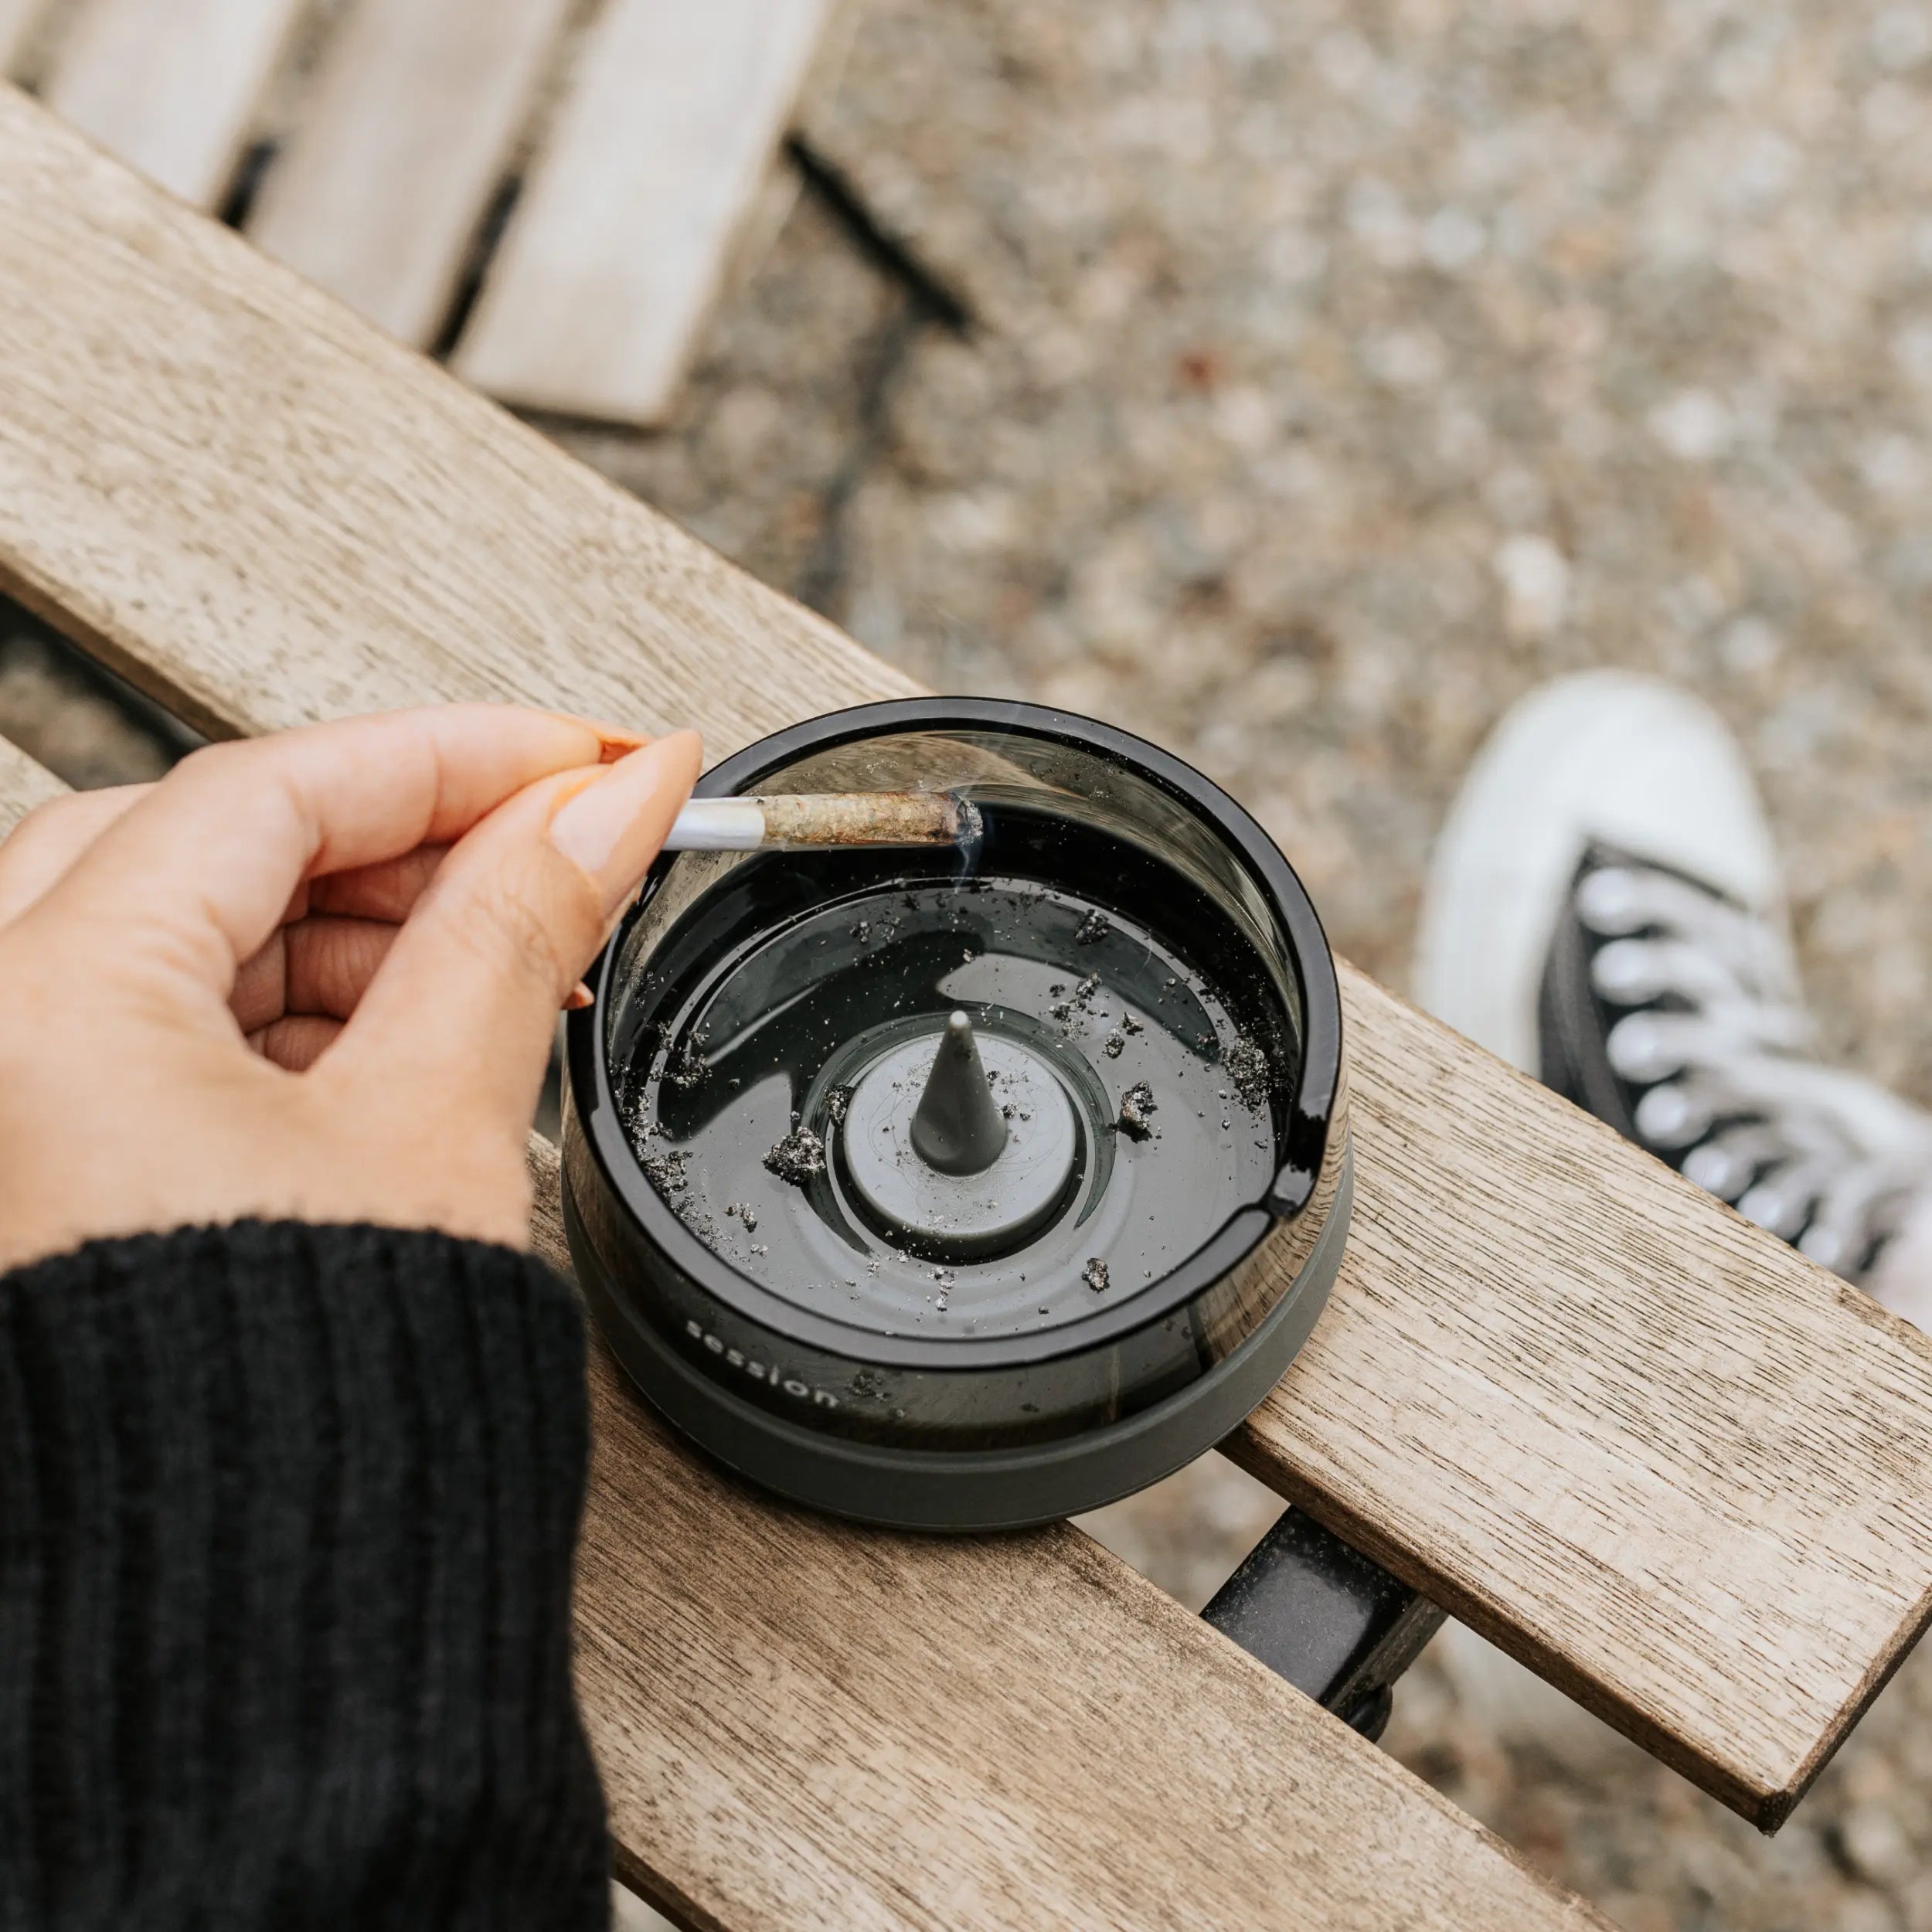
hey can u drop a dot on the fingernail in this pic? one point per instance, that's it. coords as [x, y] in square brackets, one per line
[579, 997]
[614, 827]
[614, 745]
[613, 741]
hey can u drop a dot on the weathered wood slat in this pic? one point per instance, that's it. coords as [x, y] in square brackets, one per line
[803, 1725]
[170, 86]
[445, 549]
[1705, 1501]
[1640, 1444]
[379, 191]
[621, 240]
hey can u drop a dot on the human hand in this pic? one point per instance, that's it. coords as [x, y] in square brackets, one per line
[312, 976]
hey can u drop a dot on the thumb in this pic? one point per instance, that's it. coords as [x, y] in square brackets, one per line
[464, 1006]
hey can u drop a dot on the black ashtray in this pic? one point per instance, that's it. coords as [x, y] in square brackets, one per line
[1086, 1306]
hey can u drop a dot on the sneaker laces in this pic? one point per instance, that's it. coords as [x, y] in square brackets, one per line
[1719, 1044]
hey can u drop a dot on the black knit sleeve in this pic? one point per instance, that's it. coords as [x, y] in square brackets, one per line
[287, 1516]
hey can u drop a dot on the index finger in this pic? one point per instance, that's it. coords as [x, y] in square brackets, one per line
[41, 847]
[210, 857]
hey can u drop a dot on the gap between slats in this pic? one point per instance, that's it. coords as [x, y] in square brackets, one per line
[652, 182]
[380, 188]
[171, 87]
[623, 232]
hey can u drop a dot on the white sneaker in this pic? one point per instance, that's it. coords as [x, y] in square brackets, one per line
[1603, 910]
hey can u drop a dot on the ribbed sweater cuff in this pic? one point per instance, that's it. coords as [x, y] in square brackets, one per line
[287, 1517]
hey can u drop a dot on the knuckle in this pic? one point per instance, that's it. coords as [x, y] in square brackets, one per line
[231, 770]
[213, 763]
[52, 818]
[60, 826]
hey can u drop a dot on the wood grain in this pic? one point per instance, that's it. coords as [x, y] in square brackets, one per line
[800, 1724]
[170, 86]
[379, 191]
[298, 517]
[613, 255]
[1640, 1444]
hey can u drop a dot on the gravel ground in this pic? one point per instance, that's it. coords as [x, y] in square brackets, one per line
[1336, 374]
[1347, 371]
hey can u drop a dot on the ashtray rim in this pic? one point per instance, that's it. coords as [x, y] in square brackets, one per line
[591, 1097]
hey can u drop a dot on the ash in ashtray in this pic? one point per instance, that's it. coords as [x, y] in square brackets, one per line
[1077, 1004]
[1247, 1067]
[1136, 1103]
[1093, 928]
[666, 1171]
[685, 1071]
[781, 1044]
[799, 1157]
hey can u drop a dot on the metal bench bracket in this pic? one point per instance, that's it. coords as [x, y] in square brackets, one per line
[1323, 1616]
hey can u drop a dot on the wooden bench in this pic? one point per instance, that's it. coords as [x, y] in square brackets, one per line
[567, 251]
[1643, 1447]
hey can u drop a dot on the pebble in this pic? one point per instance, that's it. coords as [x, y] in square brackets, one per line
[1875, 1845]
